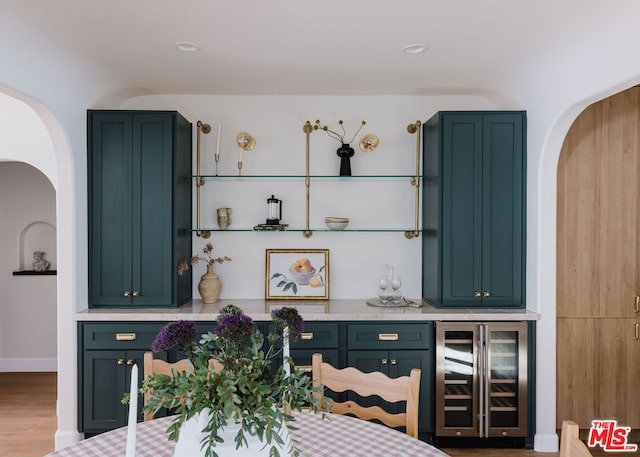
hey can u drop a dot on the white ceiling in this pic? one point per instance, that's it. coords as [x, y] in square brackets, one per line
[339, 47]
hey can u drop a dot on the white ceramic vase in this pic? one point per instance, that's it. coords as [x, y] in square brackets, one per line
[189, 442]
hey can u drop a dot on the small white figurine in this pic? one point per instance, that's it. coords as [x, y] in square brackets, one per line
[40, 263]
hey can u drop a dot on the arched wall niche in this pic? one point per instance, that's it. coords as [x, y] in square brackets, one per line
[37, 236]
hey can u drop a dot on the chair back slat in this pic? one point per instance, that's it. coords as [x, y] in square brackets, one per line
[570, 443]
[393, 390]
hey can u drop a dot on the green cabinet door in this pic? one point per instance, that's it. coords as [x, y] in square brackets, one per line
[395, 348]
[395, 363]
[139, 208]
[106, 377]
[474, 209]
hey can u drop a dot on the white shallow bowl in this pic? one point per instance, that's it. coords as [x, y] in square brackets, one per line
[336, 223]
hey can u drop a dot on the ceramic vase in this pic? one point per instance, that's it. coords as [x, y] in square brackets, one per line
[209, 286]
[345, 152]
[189, 443]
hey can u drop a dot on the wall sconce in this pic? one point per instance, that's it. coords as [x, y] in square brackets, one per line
[246, 143]
[369, 142]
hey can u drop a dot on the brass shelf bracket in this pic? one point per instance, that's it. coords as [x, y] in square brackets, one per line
[415, 181]
[202, 128]
[307, 129]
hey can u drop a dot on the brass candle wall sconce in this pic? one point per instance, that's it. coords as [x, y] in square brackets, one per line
[369, 142]
[201, 128]
[415, 180]
[245, 142]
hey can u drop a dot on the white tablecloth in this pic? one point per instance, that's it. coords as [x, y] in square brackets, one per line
[333, 436]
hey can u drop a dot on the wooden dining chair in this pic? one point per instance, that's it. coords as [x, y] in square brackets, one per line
[570, 443]
[404, 388]
[158, 366]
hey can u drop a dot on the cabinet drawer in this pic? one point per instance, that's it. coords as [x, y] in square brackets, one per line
[318, 335]
[302, 357]
[133, 335]
[390, 336]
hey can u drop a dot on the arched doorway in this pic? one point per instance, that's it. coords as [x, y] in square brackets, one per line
[32, 134]
[598, 253]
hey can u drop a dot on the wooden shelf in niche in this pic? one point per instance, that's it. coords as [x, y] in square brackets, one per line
[35, 273]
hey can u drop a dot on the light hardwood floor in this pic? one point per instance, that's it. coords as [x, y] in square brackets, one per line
[27, 414]
[28, 421]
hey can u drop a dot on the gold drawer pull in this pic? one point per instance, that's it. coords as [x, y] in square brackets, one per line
[636, 308]
[307, 336]
[305, 368]
[125, 336]
[387, 337]
[637, 333]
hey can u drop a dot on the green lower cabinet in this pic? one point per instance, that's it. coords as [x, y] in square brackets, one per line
[395, 364]
[395, 348]
[107, 352]
[106, 377]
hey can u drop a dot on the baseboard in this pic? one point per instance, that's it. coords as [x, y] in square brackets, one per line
[28, 365]
[545, 443]
[67, 438]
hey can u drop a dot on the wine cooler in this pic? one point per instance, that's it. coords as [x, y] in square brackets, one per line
[481, 379]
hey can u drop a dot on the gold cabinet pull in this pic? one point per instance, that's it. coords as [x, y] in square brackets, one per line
[384, 361]
[136, 293]
[387, 337]
[486, 294]
[637, 331]
[477, 294]
[636, 308]
[127, 293]
[305, 368]
[393, 361]
[307, 336]
[125, 336]
[120, 361]
[130, 362]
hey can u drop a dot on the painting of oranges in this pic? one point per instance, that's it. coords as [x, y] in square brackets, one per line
[297, 274]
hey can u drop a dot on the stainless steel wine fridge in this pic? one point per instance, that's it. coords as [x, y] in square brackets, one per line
[481, 379]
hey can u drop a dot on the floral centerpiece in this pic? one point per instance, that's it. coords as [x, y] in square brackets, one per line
[248, 392]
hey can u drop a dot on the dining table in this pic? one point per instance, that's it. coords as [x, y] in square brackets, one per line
[314, 435]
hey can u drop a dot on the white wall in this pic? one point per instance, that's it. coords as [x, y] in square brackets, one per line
[356, 259]
[28, 303]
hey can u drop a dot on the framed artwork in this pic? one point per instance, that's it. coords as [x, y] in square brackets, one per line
[297, 274]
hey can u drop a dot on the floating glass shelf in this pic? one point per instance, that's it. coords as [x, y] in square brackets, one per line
[377, 230]
[342, 178]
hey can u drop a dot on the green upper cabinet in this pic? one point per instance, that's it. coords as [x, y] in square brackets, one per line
[139, 167]
[474, 209]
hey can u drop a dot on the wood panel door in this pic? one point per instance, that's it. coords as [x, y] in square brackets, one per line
[597, 263]
[598, 371]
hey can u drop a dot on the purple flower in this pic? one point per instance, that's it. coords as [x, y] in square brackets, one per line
[289, 317]
[176, 335]
[229, 310]
[234, 328]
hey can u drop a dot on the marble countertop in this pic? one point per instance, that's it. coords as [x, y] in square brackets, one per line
[312, 310]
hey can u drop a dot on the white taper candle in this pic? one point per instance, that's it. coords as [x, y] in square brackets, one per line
[133, 413]
[218, 142]
[285, 350]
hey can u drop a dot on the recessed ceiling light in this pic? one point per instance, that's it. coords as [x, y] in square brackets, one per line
[187, 46]
[415, 48]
